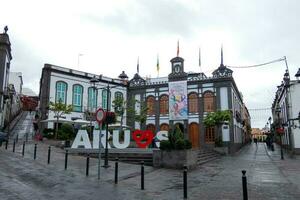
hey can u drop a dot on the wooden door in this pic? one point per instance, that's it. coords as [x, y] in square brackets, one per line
[194, 135]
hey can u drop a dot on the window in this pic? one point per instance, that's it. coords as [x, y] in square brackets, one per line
[164, 105]
[118, 95]
[209, 102]
[210, 135]
[61, 92]
[77, 98]
[150, 105]
[193, 103]
[119, 99]
[92, 99]
[104, 99]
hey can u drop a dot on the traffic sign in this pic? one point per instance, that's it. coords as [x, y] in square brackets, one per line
[100, 115]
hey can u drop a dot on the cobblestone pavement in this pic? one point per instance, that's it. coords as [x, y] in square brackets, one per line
[24, 178]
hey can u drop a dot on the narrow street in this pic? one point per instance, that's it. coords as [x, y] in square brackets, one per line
[24, 178]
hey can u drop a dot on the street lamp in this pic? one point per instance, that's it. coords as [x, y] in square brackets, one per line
[278, 110]
[10, 93]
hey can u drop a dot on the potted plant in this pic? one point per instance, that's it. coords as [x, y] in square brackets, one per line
[175, 152]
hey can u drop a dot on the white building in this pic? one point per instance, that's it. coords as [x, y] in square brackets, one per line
[287, 106]
[74, 88]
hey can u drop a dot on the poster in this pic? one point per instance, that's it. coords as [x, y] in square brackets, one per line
[178, 100]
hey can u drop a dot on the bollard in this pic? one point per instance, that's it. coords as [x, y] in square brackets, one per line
[116, 171]
[34, 152]
[142, 176]
[6, 144]
[244, 180]
[49, 153]
[66, 160]
[14, 146]
[23, 149]
[87, 165]
[26, 137]
[17, 138]
[185, 182]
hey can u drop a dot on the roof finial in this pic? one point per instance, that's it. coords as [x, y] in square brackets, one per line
[222, 55]
[5, 29]
[138, 65]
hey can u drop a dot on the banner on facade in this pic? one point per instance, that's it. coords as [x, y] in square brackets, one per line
[178, 100]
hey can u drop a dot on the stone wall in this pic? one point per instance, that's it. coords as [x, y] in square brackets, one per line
[175, 158]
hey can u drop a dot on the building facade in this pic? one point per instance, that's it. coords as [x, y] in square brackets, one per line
[5, 58]
[73, 87]
[181, 99]
[286, 112]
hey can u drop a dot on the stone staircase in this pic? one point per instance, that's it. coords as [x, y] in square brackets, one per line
[207, 155]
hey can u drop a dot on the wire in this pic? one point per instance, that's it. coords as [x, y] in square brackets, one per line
[258, 65]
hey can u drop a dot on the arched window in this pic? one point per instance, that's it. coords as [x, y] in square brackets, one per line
[193, 103]
[164, 127]
[209, 134]
[150, 105]
[164, 105]
[104, 99]
[61, 92]
[209, 102]
[77, 98]
[92, 99]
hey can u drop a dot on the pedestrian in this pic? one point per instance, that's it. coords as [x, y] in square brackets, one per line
[255, 141]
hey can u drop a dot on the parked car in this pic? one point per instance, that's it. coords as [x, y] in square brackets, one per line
[3, 138]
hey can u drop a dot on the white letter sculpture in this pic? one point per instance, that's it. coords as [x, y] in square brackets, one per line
[161, 135]
[82, 139]
[116, 140]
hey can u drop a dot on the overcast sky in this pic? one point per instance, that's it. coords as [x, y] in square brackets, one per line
[112, 34]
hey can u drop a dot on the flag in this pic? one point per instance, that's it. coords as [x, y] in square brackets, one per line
[138, 66]
[177, 48]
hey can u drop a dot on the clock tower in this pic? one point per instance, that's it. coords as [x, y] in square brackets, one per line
[177, 69]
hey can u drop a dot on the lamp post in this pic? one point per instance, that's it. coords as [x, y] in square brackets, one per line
[278, 110]
[11, 93]
[94, 80]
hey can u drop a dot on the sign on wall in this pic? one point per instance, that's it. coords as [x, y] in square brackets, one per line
[178, 107]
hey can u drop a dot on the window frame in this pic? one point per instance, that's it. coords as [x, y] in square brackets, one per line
[164, 105]
[77, 107]
[56, 91]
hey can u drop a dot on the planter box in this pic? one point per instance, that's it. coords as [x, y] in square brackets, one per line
[175, 159]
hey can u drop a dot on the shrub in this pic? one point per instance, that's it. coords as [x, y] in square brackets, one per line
[176, 141]
[66, 132]
[48, 133]
[179, 144]
[187, 144]
[165, 145]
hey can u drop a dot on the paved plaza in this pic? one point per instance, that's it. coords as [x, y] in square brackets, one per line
[24, 178]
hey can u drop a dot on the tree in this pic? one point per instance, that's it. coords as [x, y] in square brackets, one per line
[140, 116]
[216, 118]
[120, 105]
[59, 109]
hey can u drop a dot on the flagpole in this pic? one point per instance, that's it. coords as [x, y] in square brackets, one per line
[200, 59]
[157, 66]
